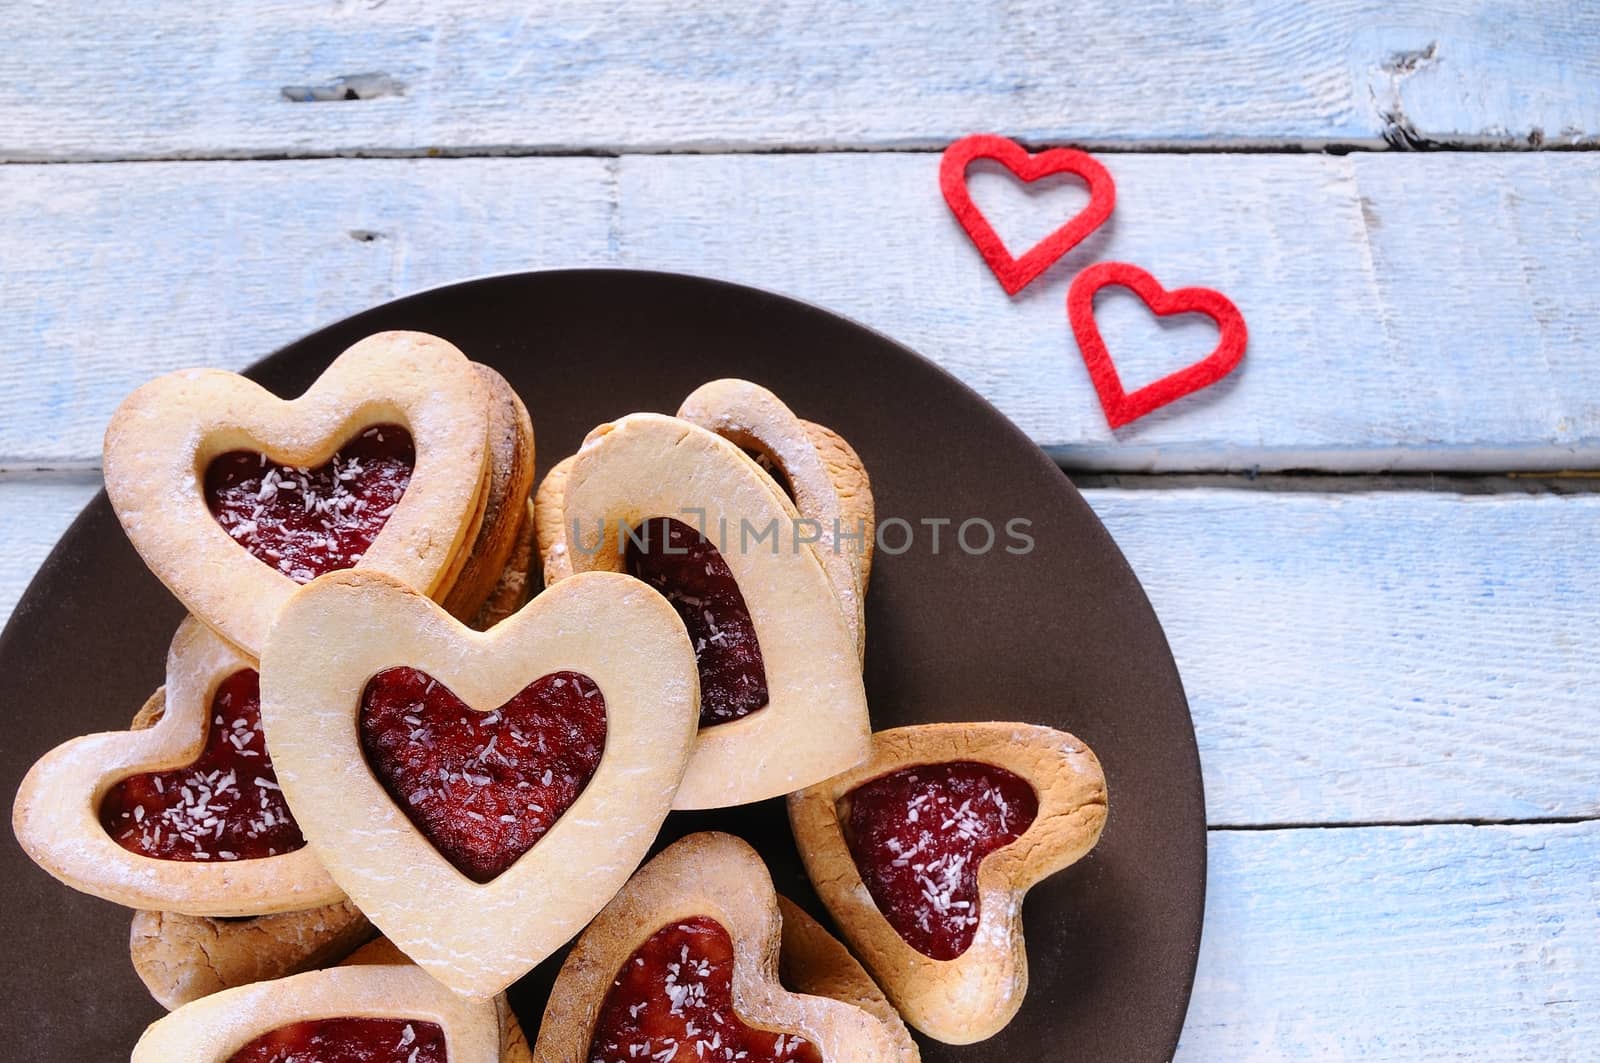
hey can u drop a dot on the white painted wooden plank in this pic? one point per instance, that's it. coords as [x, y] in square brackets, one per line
[1433, 312]
[33, 514]
[1379, 657]
[1407, 944]
[1412, 312]
[1348, 658]
[119, 79]
[110, 275]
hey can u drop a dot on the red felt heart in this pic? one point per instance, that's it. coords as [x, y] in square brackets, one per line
[1120, 407]
[1015, 273]
[482, 786]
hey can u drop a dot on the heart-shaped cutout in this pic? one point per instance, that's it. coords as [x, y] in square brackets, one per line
[1120, 406]
[824, 477]
[183, 815]
[1015, 274]
[358, 1012]
[897, 831]
[341, 630]
[645, 467]
[183, 433]
[483, 786]
[686, 954]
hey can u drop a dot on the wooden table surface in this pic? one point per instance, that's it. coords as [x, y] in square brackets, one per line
[1389, 643]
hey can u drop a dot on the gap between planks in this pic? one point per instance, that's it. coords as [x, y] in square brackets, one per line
[932, 147]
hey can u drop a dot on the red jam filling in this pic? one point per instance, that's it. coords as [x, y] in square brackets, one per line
[689, 572]
[224, 806]
[672, 1002]
[305, 522]
[348, 1041]
[918, 836]
[483, 786]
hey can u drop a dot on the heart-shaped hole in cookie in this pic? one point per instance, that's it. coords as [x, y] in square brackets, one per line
[347, 1040]
[224, 806]
[304, 522]
[483, 787]
[917, 837]
[677, 990]
[690, 573]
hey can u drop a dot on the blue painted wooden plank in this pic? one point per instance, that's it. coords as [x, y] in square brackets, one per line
[1383, 657]
[1411, 945]
[493, 75]
[1415, 312]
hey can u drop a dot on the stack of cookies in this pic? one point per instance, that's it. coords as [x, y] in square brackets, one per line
[368, 727]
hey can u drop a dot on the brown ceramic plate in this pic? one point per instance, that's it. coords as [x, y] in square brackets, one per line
[1062, 635]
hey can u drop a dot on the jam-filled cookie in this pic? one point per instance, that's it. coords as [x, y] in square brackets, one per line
[234, 497]
[479, 795]
[923, 854]
[183, 957]
[182, 815]
[513, 1041]
[351, 1014]
[686, 511]
[683, 966]
[815, 467]
[504, 527]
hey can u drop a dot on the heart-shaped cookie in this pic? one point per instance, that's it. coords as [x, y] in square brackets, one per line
[821, 473]
[814, 962]
[686, 956]
[234, 496]
[511, 471]
[513, 1042]
[1120, 406]
[416, 849]
[358, 1012]
[1015, 274]
[180, 958]
[184, 815]
[924, 853]
[782, 703]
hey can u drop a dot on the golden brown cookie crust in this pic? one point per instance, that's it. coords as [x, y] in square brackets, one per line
[975, 995]
[213, 1028]
[511, 458]
[719, 877]
[549, 504]
[185, 957]
[513, 1041]
[512, 590]
[814, 962]
[345, 627]
[815, 723]
[166, 433]
[56, 816]
[822, 480]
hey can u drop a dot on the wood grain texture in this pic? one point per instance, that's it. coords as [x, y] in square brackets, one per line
[1400, 944]
[1348, 658]
[120, 80]
[1378, 657]
[1432, 312]
[110, 275]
